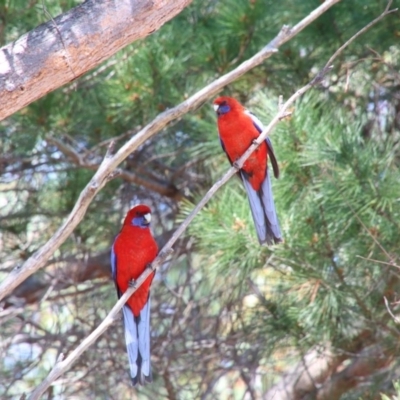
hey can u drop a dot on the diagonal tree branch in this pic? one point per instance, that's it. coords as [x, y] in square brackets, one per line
[63, 365]
[368, 361]
[313, 369]
[167, 189]
[110, 163]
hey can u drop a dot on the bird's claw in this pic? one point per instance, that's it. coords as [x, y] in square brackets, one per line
[151, 267]
[236, 165]
[254, 141]
[132, 283]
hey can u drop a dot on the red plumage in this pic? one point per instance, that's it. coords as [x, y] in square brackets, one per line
[237, 132]
[134, 248]
[238, 128]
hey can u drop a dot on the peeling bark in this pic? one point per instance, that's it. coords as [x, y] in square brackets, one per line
[71, 44]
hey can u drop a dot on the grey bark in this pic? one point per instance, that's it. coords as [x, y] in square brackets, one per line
[64, 48]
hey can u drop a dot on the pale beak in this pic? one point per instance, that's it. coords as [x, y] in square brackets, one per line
[147, 218]
[216, 106]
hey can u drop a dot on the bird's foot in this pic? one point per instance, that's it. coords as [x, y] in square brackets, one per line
[236, 165]
[151, 266]
[254, 141]
[132, 283]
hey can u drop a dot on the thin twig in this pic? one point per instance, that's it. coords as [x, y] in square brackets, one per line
[165, 189]
[390, 311]
[369, 232]
[362, 31]
[66, 150]
[391, 264]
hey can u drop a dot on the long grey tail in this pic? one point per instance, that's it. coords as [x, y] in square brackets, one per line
[137, 337]
[263, 210]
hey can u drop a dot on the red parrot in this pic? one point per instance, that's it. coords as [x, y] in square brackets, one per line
[238, 128]
[133, 249]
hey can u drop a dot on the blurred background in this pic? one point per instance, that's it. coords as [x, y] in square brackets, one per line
[308, 319]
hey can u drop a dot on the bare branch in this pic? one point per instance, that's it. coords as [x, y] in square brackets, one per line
[312, 377]
[167, 189]
[70, 271]
[313, 368]
[71, 44]
[68, 151]
[39, 258]
[361, 32]
[366, 362]
[395, 319]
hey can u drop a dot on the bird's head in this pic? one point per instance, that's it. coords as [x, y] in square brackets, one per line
[224, 104]
[139, 216]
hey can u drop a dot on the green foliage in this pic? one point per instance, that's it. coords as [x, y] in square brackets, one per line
[396, 396]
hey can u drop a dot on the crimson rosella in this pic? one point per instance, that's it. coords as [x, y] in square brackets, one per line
[133, 249]
[238, 128]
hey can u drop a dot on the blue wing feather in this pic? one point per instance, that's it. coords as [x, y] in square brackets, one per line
[260, 127]
[113, 264]
[223, 148]
[114, 269]
[222, 145]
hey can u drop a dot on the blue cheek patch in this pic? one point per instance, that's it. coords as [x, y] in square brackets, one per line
[137, 221]
[223, 109]
[140, 222]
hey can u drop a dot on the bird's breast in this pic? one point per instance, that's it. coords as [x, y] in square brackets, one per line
[237, 134]
[135, 248]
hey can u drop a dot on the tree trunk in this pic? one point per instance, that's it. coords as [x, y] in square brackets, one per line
[71, 44]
